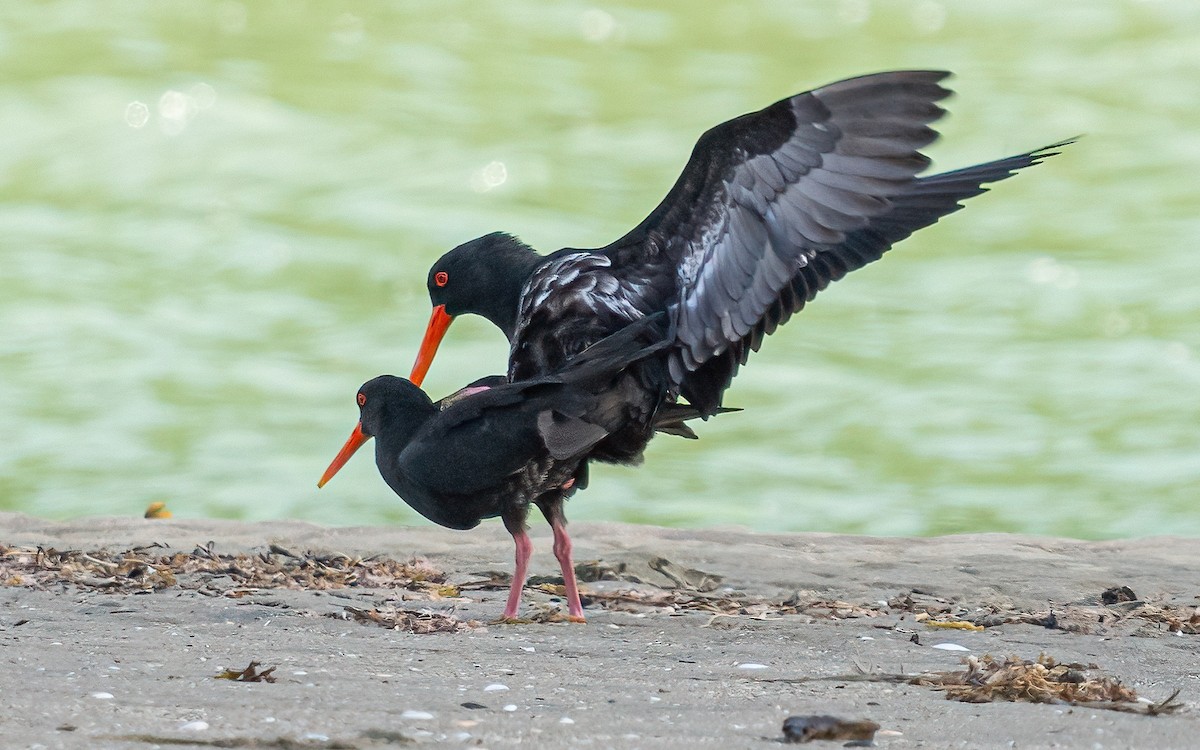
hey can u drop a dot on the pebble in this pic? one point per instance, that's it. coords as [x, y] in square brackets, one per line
[416, 715]
[950, 647]
[510, 707]
[495, 687]
[103, 696]
[566, 720]
[194, 726]
[750, 665]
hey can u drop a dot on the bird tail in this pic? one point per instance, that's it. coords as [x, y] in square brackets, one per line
[671, 417]
[930, 198]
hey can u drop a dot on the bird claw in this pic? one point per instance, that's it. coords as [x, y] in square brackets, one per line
[580, 619]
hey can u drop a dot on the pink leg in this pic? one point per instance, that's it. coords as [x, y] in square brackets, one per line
[524, 550]
[562, 550]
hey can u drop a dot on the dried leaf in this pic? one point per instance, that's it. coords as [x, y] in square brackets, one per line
[249, 674]
[157, 509]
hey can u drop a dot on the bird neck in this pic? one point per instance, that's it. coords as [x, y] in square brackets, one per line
[503, 307]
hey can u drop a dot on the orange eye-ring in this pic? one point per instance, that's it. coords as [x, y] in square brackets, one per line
[441, 278]
[362, 399]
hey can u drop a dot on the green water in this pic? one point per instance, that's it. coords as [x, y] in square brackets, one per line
[216, 217]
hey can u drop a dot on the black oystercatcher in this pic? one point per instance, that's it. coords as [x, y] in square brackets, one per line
[771, 208]
[494, 447]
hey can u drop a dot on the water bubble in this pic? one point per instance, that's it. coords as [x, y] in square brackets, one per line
[137, 114]
[202, 96]
[597, 25]
[173, 111]
[491, 176]
[1050, 271]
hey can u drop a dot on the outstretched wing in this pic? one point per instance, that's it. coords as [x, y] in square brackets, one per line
[776, 204]
[925, 201]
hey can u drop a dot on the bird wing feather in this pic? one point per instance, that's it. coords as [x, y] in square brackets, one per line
[776, 204]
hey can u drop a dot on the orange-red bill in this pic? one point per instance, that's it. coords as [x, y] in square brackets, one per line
[357, 438]
[439, 323]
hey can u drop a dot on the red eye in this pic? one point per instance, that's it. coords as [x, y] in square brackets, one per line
[441, 278]
[362, 400]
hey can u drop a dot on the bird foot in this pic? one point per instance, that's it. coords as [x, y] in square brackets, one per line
[577, 619]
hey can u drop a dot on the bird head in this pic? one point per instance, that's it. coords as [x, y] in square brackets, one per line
[387, 406]
[484, 277]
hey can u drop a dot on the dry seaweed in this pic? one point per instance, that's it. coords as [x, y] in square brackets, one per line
[1118, 608]
[420, 623]
[212, 573]
[688, 579]
[154, 568]
[1044, 680]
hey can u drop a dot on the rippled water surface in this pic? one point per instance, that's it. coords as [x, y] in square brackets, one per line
[216, 217]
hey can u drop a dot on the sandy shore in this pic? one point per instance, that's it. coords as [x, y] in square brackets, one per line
[705, 639]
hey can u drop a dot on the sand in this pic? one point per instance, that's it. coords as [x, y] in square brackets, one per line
[742, 631]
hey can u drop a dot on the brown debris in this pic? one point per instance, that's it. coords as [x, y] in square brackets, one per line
[154, 568]
[987, 679]
[688, 579]
[598, 570]
[249, 674]
[1120, 607]
[157, 509]
[921, 602]
[798, 729]
[420, 623]
[257, 743]
[1118, 594]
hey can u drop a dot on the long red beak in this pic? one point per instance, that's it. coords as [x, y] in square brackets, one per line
[439, 323]
[357, 438]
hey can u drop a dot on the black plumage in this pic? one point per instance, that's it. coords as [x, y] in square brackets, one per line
[771, 207]
[494, 448]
